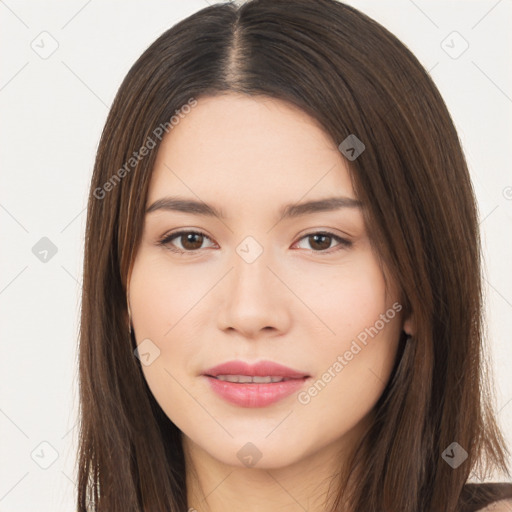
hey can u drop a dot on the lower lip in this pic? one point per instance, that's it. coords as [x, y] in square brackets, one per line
[255, 395]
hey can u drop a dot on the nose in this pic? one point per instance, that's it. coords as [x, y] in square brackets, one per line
[254, 301]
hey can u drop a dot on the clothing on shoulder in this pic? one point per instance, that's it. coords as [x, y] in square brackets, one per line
[475, 497]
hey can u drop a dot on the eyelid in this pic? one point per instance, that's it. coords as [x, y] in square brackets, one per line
[166, 239]
[342, 242]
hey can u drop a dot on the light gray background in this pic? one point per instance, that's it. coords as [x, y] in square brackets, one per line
[53, 110]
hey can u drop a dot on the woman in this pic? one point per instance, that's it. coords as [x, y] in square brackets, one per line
[282, 291]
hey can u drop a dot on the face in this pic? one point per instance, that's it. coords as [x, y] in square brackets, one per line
[304, 290]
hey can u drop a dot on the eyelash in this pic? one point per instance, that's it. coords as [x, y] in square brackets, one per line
[166, 239]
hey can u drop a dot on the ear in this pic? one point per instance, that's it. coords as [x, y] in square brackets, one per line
[409, 326]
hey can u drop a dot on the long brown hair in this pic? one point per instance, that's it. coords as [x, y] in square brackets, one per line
[354, 77]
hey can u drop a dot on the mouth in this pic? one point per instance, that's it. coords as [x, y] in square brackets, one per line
[252, 379]
[254, 385]
[252, 393]
[237, 371]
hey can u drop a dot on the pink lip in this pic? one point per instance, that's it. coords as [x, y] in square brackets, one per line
[260, 369]
[254, 395]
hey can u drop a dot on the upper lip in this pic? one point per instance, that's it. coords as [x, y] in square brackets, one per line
[259, 369]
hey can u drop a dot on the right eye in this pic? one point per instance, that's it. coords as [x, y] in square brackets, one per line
[191, 241]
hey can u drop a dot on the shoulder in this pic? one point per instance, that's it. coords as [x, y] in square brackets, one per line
[498, 506]
[486, 497]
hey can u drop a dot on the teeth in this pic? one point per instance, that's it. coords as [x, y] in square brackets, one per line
[247, 379]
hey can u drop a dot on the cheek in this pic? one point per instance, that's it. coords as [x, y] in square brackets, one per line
[355, 356]
[347, 297]
[162, 302]
[161, 296]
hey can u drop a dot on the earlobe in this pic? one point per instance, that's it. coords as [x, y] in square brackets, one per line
[409, 327]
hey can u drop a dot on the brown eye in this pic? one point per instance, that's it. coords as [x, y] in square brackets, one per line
[189, 241]
[320, 242]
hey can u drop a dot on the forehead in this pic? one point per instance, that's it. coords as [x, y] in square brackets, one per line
[248, 149]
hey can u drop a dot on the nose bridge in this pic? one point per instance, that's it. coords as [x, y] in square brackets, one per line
[250, 262]
[254, 299]
[251, 250]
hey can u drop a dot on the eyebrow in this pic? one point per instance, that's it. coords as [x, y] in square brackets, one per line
[181, 204]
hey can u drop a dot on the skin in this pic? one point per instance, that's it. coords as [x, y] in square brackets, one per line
[291, 305]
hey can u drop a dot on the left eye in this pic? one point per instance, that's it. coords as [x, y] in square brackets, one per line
[194, 238]
[192, 241]
[319, 240]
